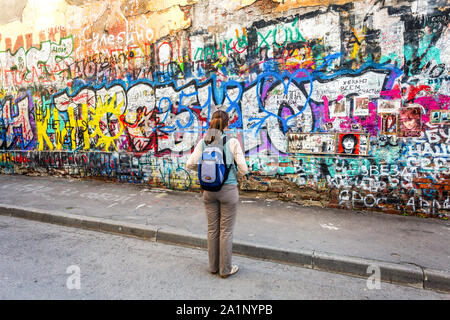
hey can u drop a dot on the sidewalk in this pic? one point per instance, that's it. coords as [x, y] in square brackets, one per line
[409, 250]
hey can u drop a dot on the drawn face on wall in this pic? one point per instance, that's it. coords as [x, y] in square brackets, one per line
[410, 119]
[410, 122]
[348, 144]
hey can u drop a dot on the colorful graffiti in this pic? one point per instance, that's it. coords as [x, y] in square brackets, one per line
[355, 109]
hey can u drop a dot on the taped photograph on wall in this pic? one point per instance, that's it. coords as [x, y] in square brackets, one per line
[356, 127]
[351, 143]
[360, 106]
[389, 123]
[389, 106]
[445, 117]
[440, 116]
[315, 143]
[410, 120]
[435, 116]
[339, 108]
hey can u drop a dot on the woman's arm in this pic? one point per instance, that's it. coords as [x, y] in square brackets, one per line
[235, 148]
[194, 158]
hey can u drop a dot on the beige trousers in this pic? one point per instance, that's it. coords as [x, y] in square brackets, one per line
[221, 210]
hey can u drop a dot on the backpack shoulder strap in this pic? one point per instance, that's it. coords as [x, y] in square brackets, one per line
[224, 151]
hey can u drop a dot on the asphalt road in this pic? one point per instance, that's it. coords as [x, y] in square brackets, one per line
[44, 261]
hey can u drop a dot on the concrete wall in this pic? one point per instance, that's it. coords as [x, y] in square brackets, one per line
[124, 90]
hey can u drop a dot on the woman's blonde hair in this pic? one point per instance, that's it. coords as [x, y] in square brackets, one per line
[218, 123]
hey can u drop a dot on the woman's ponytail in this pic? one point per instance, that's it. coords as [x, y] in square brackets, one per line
[218, 123]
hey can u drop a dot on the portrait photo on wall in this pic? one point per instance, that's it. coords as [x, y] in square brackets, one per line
[339, 108]
[353, 144]
[360, 106]
[356, 127]
[410, 121]
[389, 123]
[316, 143]
[389, 106]
[445, 116]
[435, 116]
[329, 125]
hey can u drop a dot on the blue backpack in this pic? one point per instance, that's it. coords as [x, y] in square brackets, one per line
[213, 170]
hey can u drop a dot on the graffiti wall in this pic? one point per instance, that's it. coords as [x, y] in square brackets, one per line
[336, 103]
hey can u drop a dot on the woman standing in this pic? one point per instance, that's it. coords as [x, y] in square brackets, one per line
[221, 206]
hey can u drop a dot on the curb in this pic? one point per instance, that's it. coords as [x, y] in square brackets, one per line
[404, 274]
[411, 275]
